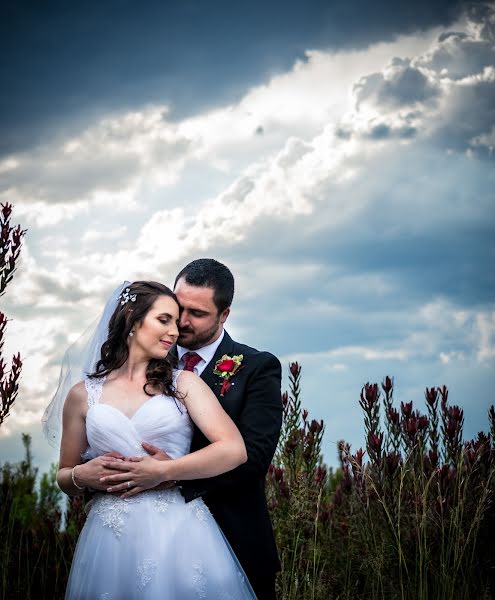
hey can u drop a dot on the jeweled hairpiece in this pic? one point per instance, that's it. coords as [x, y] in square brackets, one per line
[126, 296]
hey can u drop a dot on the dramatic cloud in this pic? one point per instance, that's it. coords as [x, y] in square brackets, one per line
[69, 62]
[100, 163]
[400, 86]
[447, 92]
[352, 195]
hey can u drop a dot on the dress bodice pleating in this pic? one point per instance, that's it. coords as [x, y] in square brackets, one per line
[162, 421]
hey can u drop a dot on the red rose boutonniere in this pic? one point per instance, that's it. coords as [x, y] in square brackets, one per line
[226, 368]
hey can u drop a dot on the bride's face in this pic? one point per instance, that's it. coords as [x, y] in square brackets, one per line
[158, 331]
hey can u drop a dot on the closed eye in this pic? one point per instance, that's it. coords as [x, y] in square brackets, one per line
[198, 313]
[164, 318]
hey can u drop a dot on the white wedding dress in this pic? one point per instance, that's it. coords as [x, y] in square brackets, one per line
[153, 545]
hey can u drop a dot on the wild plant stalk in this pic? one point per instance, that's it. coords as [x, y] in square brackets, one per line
[10, 248]
[415, 537]
[405, 523]
[9, 379]
[296, 495]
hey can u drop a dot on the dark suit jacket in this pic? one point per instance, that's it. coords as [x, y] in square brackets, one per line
[237, 498]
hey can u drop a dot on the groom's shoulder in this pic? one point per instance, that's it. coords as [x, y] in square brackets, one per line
[253, 354]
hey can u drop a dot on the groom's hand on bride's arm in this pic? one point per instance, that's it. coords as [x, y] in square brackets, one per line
[155, 452]
[158, 454]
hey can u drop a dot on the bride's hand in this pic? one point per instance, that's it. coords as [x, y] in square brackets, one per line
[90, 473]
[135, 475]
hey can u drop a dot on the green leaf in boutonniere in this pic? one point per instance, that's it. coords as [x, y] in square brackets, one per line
[226, 368]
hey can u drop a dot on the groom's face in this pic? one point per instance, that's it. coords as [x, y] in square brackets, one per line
[200, 322]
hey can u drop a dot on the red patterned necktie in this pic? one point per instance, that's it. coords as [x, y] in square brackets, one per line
[191, 359]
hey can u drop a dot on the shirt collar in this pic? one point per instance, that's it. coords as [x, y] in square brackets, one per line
[206, 352]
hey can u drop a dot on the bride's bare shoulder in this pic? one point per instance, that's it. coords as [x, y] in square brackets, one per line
[190, 386]
[184, 380]
[77, 396]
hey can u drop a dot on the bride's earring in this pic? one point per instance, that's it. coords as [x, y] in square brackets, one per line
[131, 333]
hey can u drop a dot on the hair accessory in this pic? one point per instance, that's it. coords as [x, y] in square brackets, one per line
[126, 296]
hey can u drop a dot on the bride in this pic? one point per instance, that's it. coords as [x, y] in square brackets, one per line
[139, 543]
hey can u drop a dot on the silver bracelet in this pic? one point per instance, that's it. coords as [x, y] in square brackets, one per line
[74, 481]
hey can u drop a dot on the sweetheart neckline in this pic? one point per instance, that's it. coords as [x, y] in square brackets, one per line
[131, 418]
[99, 383]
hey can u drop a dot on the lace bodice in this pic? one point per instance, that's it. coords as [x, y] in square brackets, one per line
[161, 420]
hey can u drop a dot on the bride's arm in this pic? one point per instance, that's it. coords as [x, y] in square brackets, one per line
[73, 440]
[225, 452]
[71, 470]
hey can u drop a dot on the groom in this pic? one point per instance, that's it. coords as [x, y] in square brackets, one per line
[251, 397]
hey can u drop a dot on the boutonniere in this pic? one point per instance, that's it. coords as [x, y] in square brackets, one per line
[226, 368]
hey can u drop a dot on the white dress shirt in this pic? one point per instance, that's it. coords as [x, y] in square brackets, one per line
[206, 353]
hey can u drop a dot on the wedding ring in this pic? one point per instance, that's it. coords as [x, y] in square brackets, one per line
[128, 484]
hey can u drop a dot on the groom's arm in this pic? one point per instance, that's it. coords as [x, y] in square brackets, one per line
[259, 424]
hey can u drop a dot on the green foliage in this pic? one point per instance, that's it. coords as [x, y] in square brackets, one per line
[35, 555]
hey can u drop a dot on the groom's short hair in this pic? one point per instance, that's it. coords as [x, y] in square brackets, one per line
[208, 272]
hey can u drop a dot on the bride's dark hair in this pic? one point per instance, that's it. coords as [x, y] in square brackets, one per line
[115, 351]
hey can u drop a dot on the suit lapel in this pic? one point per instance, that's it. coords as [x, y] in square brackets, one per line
[226, 347]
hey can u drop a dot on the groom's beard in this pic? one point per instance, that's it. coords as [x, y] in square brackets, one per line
[199, 339]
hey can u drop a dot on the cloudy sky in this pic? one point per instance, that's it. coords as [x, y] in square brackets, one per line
[337, 156]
